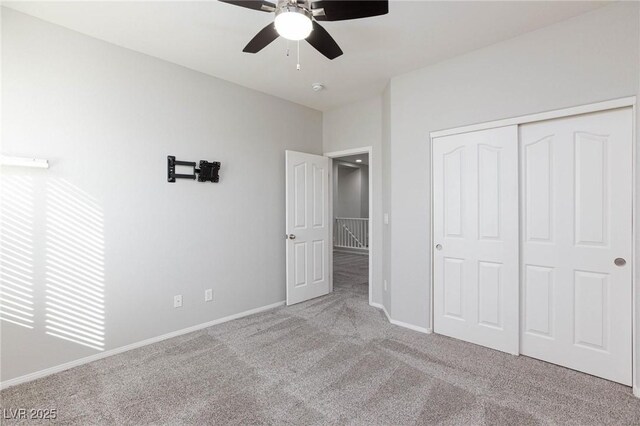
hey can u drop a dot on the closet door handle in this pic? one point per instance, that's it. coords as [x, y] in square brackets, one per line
[620, 261]
[438, 246]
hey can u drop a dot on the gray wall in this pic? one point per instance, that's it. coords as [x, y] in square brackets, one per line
[352, 126]
[590, 58]
[106, 118]
[351, 191]
[364, 190]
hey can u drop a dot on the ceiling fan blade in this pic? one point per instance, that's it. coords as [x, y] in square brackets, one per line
[262, 39]
[263, 6]
[341, 10]
[323, 42]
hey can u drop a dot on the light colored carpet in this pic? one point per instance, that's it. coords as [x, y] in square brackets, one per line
[332, 360]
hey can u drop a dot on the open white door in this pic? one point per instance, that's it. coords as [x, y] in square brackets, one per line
[475, 208]
[307, 227]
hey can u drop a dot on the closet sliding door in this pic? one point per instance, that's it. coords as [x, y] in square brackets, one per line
[475, 236]
[533, 240]
[577, 242]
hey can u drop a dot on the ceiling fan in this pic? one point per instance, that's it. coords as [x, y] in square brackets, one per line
[297, 20]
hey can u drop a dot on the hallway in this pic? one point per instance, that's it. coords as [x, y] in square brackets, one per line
[351, 273]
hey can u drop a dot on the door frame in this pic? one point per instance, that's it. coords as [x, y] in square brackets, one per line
[629, 101]
[335, 154]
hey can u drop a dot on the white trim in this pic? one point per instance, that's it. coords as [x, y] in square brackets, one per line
[634, 283]
[548, 115]
[411, 326]
[381, 306]
[363, 150]
[431, 241]
[400, 323]
[101, 355]
[629, 101]
[331, 251]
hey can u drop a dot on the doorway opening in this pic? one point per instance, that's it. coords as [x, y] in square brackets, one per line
[351, 222]
[310, 224]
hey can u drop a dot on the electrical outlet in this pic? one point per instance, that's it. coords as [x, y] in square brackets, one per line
[177, 301]
[208, 295]
[385, 285]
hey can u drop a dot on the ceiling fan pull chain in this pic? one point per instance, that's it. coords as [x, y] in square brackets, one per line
[287, 48]
[298, 66]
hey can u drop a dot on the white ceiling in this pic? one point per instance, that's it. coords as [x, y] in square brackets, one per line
[352, 159]
[209, 36]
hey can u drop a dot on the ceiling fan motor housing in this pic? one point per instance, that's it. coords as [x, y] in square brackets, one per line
[294, 6]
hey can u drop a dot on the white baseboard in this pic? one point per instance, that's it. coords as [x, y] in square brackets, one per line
[111, 352]
[381, 306]
[636, 391]
[411, 326]
[400, 323]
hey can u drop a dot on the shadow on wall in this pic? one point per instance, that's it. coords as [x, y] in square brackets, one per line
[73, 261]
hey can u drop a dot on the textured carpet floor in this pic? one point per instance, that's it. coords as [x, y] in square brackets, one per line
[331, 360]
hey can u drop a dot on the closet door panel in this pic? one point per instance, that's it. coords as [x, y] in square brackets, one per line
[577, 193]
[476, 237]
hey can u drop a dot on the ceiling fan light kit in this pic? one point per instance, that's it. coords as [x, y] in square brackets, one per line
[293, 23]
[298, 20]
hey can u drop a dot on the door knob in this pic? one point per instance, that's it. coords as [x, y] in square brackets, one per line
[620, 261]
[291, 237]
[438, 246]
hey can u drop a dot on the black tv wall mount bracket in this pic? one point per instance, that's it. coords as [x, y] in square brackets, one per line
[208, 172]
